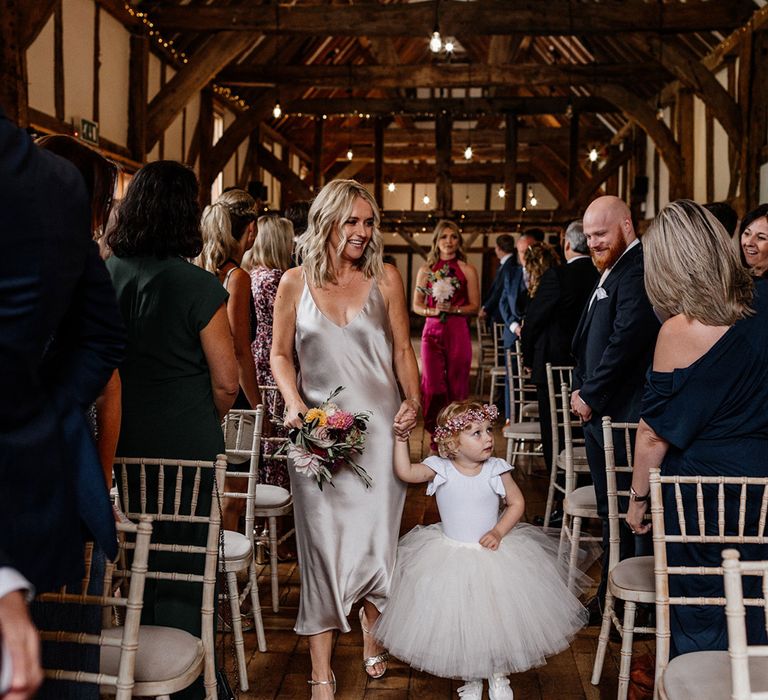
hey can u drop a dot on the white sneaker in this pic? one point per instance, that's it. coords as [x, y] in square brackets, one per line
[498, 688]
[471, 690]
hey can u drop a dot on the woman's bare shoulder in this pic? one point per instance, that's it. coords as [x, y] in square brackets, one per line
[466, 267]
[682, 341]
[292, 281]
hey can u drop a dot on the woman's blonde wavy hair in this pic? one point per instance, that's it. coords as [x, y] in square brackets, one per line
[434, 254]
[223, 225]
[691, 267]
[332, 207]
[274, 243]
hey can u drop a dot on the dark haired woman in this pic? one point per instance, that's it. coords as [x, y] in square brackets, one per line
[753, 238]
[180, 374]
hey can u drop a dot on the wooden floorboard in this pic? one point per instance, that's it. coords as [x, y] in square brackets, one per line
[281, 672]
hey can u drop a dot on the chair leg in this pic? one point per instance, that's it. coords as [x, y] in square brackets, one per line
[273, 563]
[602, 643]
[237, 628]
[574, 557]
[565, 533]
[551, 492]
[510, 451]
[256, 606]
[627, 635]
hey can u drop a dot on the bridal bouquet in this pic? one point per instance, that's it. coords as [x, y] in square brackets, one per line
[328, 440]
[441, 286]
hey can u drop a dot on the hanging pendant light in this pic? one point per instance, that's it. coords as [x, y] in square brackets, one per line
[277, 110]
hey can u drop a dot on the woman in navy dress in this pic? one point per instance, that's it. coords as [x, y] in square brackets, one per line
[705, 408]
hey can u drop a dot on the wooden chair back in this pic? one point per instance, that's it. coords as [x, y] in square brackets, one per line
[242, 438]
[703, 499]
[626, 432]
[134, 537]
[169, 490]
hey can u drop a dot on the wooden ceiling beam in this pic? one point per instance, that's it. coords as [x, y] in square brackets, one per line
[489, 17]
[588, 188]
[468, 106]
[438, 75]
[33, 16]
[203, 65]
[637, 109]
[294, 186]
[478, 137]
[690, 72]
[461, 173]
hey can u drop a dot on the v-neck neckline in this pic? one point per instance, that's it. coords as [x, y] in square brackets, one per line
[357, 315]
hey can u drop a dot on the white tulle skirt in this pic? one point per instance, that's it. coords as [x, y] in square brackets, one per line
[458, 610]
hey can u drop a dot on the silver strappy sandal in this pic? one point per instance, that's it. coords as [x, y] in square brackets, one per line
[331, 682]
[371, 661]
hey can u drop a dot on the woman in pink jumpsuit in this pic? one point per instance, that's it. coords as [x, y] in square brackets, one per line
[446, 348]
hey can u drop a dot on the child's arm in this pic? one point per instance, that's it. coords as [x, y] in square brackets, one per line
[511, 515]
[405, 471]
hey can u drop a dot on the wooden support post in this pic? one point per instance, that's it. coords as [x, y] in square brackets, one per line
[753, 95]
[443, 184]
[138, 71]
[573, 156]
[58, 62]
[709, 153]
[378, 160]
[510, 162]
[685, 138]
[205, 146]
[96, 60]
[13, 89]
[612, 181]
[317, 155]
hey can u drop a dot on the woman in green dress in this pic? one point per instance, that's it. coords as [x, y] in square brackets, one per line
[180, 375]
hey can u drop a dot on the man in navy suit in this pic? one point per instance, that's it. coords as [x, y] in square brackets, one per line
[613, 345]
[61, 336]
[551, 319]
[505, 252]
[512, 303]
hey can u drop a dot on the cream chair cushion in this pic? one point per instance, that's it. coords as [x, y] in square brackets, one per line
[268, 496]
[706, 675]
[164, 653]
[236, 545]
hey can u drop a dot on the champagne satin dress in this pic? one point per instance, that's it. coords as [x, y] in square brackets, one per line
[347, 535]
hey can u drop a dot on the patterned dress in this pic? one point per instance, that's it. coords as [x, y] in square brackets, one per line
[264, 289]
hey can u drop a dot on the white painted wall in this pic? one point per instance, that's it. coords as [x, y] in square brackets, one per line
[113, 79]
[78, 22]
[40, 71]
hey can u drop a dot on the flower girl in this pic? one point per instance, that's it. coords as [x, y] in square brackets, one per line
[477, 595]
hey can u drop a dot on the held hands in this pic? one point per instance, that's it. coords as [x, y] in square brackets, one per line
[21, 638]
[635, 514]
[491, 540]
[291, 417]
[405, 420]
[579, 407]
[443, 306]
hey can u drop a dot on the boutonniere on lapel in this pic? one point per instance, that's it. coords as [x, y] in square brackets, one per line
[601, 294]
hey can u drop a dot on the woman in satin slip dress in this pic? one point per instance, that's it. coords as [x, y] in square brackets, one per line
[344, 313]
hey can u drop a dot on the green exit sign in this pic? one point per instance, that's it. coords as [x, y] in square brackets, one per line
[89, 131]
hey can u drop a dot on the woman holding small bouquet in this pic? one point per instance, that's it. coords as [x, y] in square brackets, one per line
[344, 313]
[447, 291]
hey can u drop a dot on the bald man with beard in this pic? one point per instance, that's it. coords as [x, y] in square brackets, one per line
[613, 346]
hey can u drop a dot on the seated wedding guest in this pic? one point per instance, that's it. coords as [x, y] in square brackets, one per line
[180, 375]
[725, 214]
[229, 229]
[704, 407]
[551, 319]
[271, 258]
[60, 340]
[753, 236]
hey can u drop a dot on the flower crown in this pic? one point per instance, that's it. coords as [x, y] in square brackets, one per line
[458, 423]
